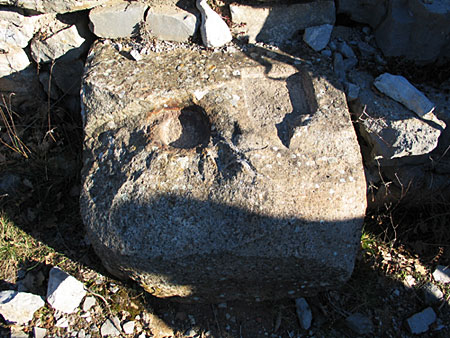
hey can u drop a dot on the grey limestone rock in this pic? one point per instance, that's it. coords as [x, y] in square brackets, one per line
[171, 24]
[401, 90]
[67, 44]
[64, 292]
[392, 130]
[317, 37]
[420, 322]
[207, 175]
[19, 307]
[117, 20]
[277, 23]
[304, 313]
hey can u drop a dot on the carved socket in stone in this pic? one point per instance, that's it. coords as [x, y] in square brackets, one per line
[184, 128]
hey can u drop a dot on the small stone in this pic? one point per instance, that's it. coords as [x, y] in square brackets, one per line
[431, 293]
[110, 327]
[136, 55]
[191, 332]
[338, 66]
[62, 322]
[64, 292]
[352, 91]
[39, 332]
[303, 313]
[442, 274]
[420, 322]
[317, 37]
[346, 50]
[365, 49]
[81, 334]
[89, 302]
[350, 63]
[19, 307]
[327, 53]
[128, 327]
[214, 31]
[359, 323]
[399, 89]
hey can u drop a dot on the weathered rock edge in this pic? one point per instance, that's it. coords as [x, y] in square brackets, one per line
[231, 209]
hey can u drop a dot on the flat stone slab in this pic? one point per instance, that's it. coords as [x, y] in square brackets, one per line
[213, 176]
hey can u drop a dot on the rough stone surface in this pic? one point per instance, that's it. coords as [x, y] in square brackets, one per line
[18, 77]
[359, 323]
[88, 303]
[19, 307]
[105, 19]
[391, 130]
[371, 12]
[442, 274]
[16, 30]
[128, 327]
[16, 60]
[420, 322]
[416, 30]
[184, 179]
[39, 332]
[67, 76]
[64, 292]
[171, 24]
[432, 294]
[278, 23]
[304, 313]
[213, 29]
[401, 90]
[54, 6]
[111, 327]
[317, 37]
[65, 45]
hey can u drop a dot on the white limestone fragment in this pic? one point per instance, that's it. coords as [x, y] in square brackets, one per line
[214, 31]
[19, 307]
[64, 292]
[399, 89]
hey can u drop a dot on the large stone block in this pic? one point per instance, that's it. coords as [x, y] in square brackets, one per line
[211, 176]
[416, 30]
